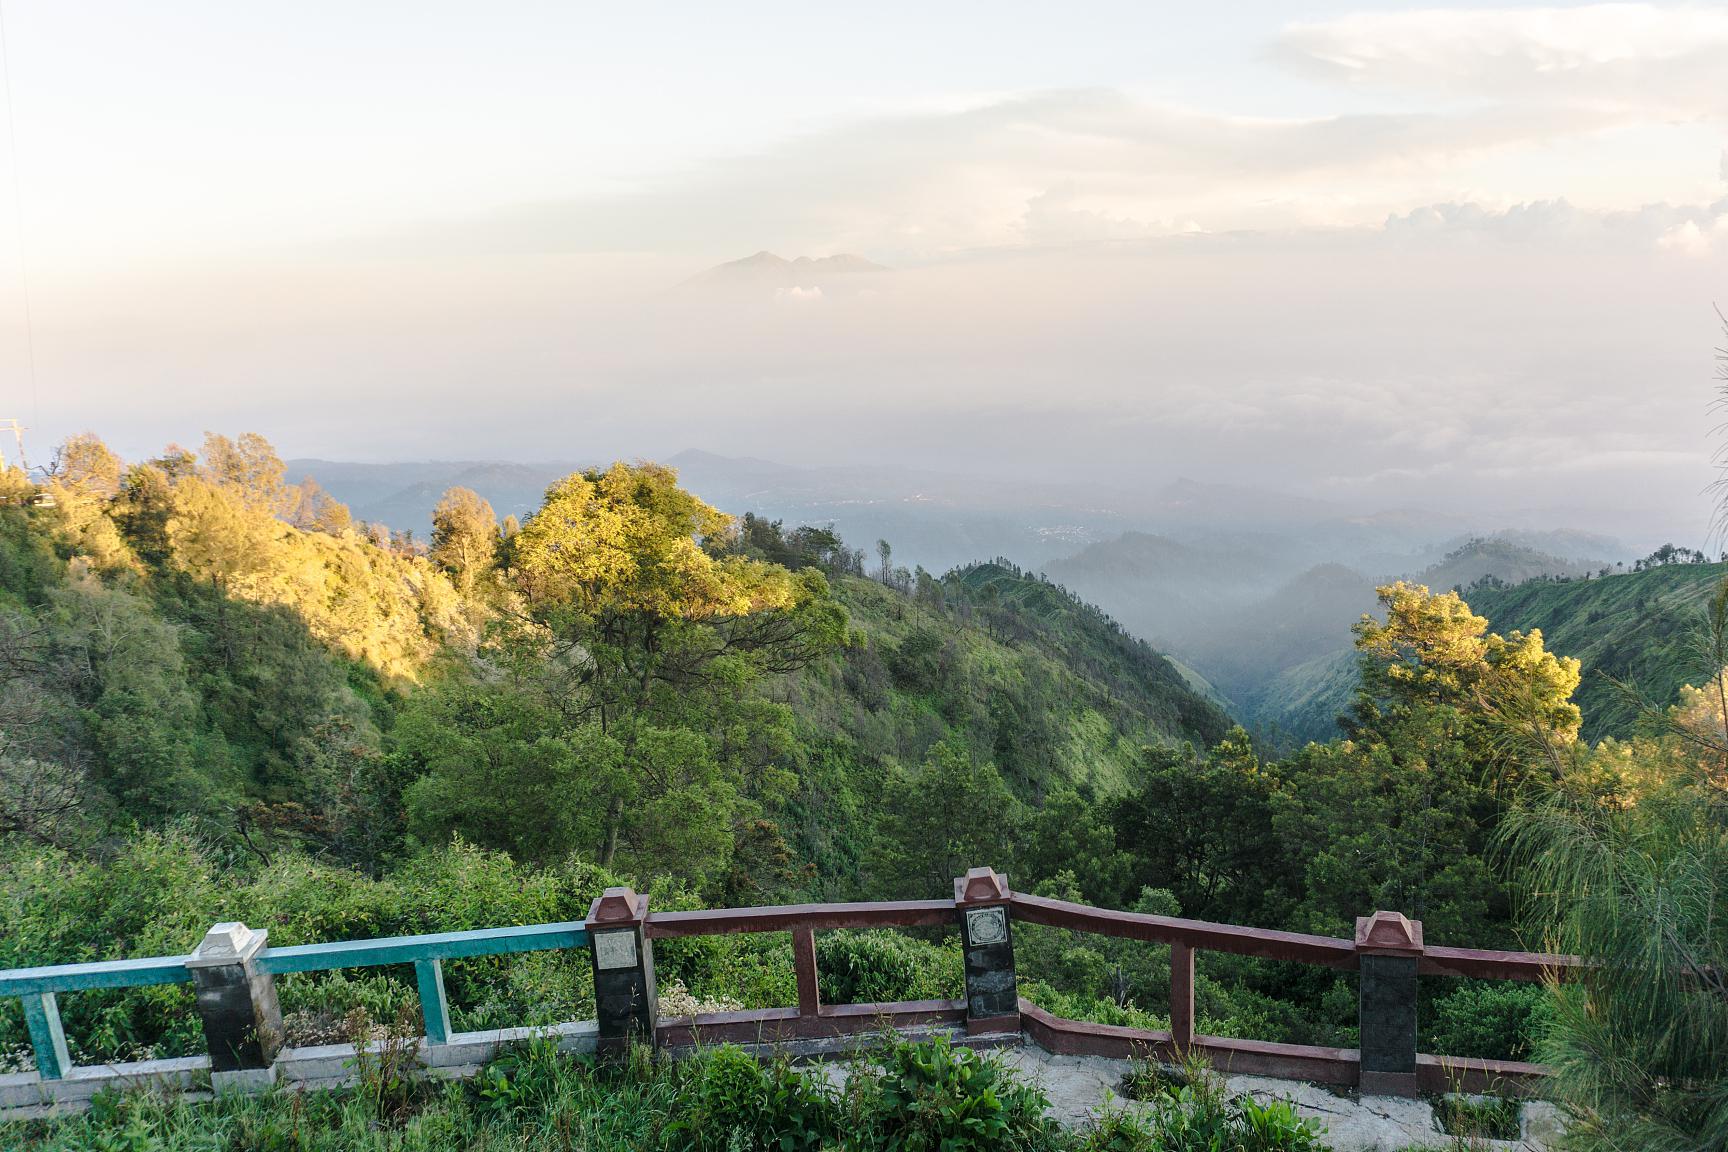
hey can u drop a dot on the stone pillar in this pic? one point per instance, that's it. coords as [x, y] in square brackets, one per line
[986, 935]
[1389, 947]
[625, 1004]
[237, 1003]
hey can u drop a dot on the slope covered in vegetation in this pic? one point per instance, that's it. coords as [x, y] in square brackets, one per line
[1639, 628]
[1633, 633]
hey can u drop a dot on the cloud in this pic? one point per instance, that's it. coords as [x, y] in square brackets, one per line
[1542, 116]
[1680, 227]
[1692, 240]
[1610, 57]
[1048, 167]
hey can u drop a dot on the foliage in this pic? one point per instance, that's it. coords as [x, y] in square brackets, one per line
[465, 539]
[211, 675]
[1496, 1019]
[387, 1062]
[925, 1096]
[1191, 1112]
[734, 1100]
[1635, 629]
[878, 966]
[939, 821]
[1640, 1041]
[1477, 1117]
[935, 1097]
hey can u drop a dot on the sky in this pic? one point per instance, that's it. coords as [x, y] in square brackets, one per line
[1390, 255]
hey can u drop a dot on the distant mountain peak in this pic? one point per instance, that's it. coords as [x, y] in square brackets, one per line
[810, 274]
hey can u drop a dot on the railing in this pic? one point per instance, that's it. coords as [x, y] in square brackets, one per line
[233, 973]
[427, 954]
[37, 987]
[1401, 943]
[811, 1019]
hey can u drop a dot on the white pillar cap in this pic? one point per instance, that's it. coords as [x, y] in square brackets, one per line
[230, 942]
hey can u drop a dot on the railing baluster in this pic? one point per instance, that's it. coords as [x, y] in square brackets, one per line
[804, 965]
[1181, 996]
[434, 1008]
[47, 1038]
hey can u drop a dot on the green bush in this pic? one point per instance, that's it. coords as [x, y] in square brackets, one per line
[877, 966]
[732, 1100]
[1489, 1019]
[938, 1098]
[1190, 1112]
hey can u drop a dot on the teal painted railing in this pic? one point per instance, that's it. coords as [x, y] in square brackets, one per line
[37, 987]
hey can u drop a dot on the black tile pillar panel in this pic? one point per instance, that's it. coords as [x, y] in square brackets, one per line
[987, 936]
[1389, 948]
[626, 1006]
[236, 1002]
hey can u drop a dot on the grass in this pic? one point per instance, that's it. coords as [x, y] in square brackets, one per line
[926, 1097]
[1477, 1117]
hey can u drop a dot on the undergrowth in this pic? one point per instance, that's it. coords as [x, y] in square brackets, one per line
[923, 1097]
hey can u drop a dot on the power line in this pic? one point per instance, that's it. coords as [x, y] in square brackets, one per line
[18, 213]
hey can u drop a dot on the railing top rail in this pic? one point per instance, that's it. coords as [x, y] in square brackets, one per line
[432, 946]
[785, 917]
[1204, 934]
[1488, 964]
[1201, 934]
[94, 974]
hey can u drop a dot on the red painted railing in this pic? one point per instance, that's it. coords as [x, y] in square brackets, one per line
[813, 1020]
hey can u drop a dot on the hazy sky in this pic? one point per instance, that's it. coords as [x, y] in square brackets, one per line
[1389, 254]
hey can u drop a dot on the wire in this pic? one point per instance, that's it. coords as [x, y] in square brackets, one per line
[18, 211]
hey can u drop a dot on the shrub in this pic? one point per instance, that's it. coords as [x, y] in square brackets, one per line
[876, 966]
[732, 1100]
[938, 1098]
[1492, 1020]
[1477, 1117]
[1191, 1113]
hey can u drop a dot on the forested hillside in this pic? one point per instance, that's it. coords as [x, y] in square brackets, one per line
[224, 699]
[192, 639]
[1638, 628]
[1275, 642]
[1635, 635]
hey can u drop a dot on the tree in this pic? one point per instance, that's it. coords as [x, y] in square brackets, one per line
[1640, 1043]
[43, 800]
[123, 666]
[464, 537]
[640, 647]
[1071, 834]
[85, 463]
[1201, 826]
[216, 535]
[952, 814]
[315, 510]
[249, 467]
[1432, 652]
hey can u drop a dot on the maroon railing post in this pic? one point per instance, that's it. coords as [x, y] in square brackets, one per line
[1389, 948]
[625, 1003]
[1181, 996]
[992, 991]
[804, 966]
